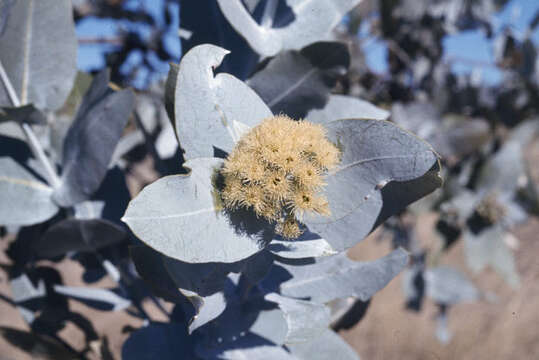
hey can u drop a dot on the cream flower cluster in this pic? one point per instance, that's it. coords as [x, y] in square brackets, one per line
[277, 169]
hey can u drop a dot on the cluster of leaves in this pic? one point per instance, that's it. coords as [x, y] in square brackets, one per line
[238, 288]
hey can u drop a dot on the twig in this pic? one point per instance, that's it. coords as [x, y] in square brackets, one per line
[269, 13]
[37, 149]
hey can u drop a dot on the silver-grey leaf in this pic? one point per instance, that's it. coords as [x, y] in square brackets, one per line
[306, 320]
[338, 277]
[373, 154]
[327, 346]
[212, 111]
[313, 20]
[489, 248]
[179, 217]
[346, 107]
[448, 286]
[39, 52]
[250, 347]
[24, 199]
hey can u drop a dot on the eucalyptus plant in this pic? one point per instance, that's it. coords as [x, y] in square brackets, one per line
[202, 225]
[270, 167]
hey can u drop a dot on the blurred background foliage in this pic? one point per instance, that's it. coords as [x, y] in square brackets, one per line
[462, 74]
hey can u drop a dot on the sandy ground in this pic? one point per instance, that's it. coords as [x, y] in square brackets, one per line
[508, 329]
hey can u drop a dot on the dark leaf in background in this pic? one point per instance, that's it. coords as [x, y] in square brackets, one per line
[91, 140]
[150, 266]
[43, 68]
[295, 82]
[216, 30]
[159, 341]
[21, 191]
[25, 114]
[78, 235]
[37, 345]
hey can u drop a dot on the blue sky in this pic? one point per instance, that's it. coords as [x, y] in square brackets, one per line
[472, 45]
[90, 55]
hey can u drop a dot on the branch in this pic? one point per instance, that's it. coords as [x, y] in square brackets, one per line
[36, 147]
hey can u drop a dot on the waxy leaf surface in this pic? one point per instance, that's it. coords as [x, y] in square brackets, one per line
[181, 217]
[212, 111]
[373, 154]
[39, 52]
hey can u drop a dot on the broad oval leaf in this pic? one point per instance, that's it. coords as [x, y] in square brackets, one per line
[24, 200]
[294, 82]
[327, 346]
[91, 139]
[373, 154]
[313, 20]
[306, 320]
[212, 111]
[78, 235]
[39, 52]
[339, 277]
[181, 217]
